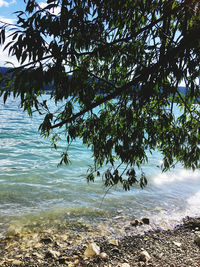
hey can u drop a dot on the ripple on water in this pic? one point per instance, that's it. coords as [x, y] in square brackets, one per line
[32, 185]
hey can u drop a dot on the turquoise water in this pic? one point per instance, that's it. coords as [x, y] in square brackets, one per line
[31, 184]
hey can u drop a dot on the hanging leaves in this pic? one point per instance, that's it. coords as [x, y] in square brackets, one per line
[113, 68]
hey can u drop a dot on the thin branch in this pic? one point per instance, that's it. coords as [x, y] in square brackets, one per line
[188, 109]
[105, 195]
[167, 59]
[32, 62]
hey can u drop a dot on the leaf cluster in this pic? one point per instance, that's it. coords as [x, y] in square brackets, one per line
[114, 68]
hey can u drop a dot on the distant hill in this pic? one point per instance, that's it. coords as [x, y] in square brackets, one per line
[3, 70]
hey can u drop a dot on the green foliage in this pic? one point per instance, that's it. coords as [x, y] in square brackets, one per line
[125, 58]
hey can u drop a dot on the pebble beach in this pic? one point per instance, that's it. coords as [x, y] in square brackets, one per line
[175, 248]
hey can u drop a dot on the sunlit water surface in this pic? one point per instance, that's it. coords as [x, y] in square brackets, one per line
[34, 189]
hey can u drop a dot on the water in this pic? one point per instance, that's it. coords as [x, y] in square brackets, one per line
[33, 188]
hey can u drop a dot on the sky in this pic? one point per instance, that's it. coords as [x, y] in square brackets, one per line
[7, 9]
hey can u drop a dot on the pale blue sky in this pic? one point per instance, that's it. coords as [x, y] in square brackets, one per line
[7, 9]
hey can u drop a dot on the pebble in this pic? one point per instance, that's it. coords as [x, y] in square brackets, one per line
[125, 265]
[197, 240]
[114, 242]
[17, 262]
[160, 256]
[144, 256]
[46, 240]
[76, 262]
[138, 223]
[62, 260]
[145, 220]
[103, 255]
[52, 254]
[36, 254]
[159, 245]
[135, 223]
[178, 244]
[92, 250]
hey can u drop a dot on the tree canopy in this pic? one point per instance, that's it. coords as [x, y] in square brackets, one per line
[125, 58]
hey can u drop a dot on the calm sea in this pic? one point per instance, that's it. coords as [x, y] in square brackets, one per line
[34, 189]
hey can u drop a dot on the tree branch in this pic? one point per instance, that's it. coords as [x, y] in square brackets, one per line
[167, 59]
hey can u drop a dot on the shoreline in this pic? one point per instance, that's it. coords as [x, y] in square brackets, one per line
[174, 248]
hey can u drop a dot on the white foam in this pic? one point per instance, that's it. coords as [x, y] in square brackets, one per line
[180, 175]
[194, 204]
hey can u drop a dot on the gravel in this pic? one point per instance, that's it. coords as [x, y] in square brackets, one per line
[171, 248]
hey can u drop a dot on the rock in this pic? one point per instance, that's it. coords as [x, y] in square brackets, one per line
[144, 256]
[38, 245]
[103, 255]
[39, 256]
[196, 223]
[114, 242]
[115, 250]
[159, 256]
[17, 262]
[12, 231]
[75, 256]
[197, 240]
[178, 244]
[92, 250]
[135, 223]
[125, 265]
[141, 264]
[62, 260]
[192, 223]
[76, 262]
[46, 240]
[145, 220]
[52, 254]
